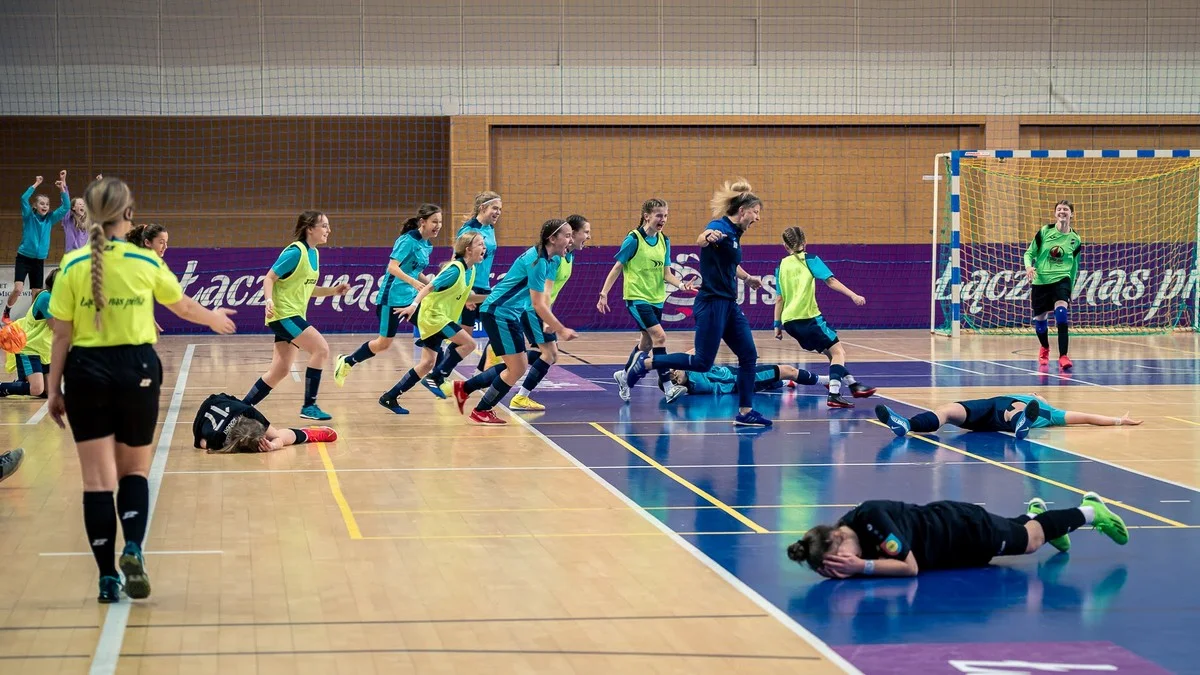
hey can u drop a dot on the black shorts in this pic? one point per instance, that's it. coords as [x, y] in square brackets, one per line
[29, 267]
[471, 316]
[979, 536]
[987, 414]
[1043, 296]
[288, 329]
[435, 341]
[644, 314]
[113, 391]
[813, 334]
[506, 334]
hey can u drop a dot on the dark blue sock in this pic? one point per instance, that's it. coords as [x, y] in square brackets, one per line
[312, 383]
[483, 380]
[448, 363]
[745, 383]
[407, 382]
[361, 354]
[16, 387]
[924, 422]
[632, 355]
[662, 374]
[537, 370]
[257, 393]
[806, 377]
[1042, 328]
[494, 394]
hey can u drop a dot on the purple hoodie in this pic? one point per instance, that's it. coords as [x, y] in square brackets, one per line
[73, 237]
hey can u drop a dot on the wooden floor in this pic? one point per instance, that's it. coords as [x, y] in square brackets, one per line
[417, 543]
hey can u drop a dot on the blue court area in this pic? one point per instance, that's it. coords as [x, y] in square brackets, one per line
[741, 496]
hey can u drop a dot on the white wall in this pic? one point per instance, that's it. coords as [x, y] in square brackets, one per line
[408, 57]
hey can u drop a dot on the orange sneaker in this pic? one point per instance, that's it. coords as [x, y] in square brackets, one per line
[1064, 362]
[1044, 356]
[321, 434]
[485, 417]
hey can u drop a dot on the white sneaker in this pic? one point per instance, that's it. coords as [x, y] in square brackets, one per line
[674, 391]
[622, 385]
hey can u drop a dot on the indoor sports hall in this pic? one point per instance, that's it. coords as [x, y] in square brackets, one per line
[1011, 188]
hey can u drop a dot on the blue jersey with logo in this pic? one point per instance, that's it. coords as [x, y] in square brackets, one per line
[719, 262]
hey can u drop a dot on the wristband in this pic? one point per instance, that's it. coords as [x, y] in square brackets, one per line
[779, 324]
[868, 567]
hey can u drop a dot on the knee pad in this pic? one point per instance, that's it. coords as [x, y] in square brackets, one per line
[1060, 315]
[1041, 326]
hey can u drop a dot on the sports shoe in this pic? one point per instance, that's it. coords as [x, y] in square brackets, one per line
[836, 401]
[312, 412]
[10, 462]
[1023, 421]
[392, 405]
[674, 391]
[460, 395]
[1064, 362]
[622, 385]
[110, 590]
[637, 369]
[133, 566]
[492, 359]
[524, 403]
[340, 370]
[860, 390]
[485, 417]
[751, 419]
[1043, 356]
[321, 434]
[1037, 506]
[434, 386]
[897, 423]
[1106, 521]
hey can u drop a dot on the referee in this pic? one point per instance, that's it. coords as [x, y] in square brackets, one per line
[103, 305]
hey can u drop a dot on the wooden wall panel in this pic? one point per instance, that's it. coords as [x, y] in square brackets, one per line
[1111, 136]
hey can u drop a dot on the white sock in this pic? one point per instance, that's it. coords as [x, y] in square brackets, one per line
[822, 379]
[849, 380]
[522, 392]
[1089, 514]
[835, 386]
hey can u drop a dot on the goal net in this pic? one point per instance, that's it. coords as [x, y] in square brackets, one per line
[1137, 212]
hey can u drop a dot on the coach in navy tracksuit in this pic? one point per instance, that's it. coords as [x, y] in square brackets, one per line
[716, 311]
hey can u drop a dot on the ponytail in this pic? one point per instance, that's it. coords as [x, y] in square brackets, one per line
[732, 196]
[425, 212]
[97, 241]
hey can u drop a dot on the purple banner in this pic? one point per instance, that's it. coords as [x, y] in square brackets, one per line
[895, 279]
[997, 658]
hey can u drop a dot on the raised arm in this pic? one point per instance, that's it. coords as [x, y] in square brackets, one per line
[26, 209]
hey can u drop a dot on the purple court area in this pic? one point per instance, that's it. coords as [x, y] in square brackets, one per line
[1101, 608]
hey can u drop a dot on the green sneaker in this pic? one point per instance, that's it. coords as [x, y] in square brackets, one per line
[1106, 521]
[133, 566]
[1037, 506]
[340, 370]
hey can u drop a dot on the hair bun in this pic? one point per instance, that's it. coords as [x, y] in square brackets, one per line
[798, 551]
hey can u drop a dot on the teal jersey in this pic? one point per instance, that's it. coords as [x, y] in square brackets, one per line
[411, 252]
[511, 296]
[1048, 415]
[483, 269]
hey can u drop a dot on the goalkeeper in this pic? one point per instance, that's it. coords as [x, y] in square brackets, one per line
[1052, 264]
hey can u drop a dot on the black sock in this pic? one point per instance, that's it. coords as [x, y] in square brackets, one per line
[15, 388]
[483, 358]
[483, 380]
[537, 371]
[133, 505]
[448, 363]
[1060, 521]
[361, 354]
[494, 394]
[7, 310]
[925, 421]
[407, 382]
[663, 378]
[1063, 338]
[1044, 339]
[301, 436]
[312, 383]
[100, 523]
[257, 393]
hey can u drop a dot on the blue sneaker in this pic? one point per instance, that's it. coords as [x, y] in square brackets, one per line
[1023, 420]
[637, 370]
[133, 566]
[897, 423]
[391, 404]
[434, 387]
[751, 419]
[110, 590]
[312, 412]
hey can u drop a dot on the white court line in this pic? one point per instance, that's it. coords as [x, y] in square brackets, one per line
[1061, 377]
[149, 553]
[913, 358]
[1140, 344]
[1174, 501]
[108, 647]
[39, 415]
[751, 594]
[1120, 467]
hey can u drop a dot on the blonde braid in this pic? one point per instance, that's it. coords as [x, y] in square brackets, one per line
[98, 241]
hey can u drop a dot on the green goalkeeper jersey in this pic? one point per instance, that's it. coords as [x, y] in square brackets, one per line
[1053, 255]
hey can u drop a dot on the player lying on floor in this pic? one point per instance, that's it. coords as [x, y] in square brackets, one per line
[723, 379]
[895, 539]
[1017, 413]
[225, 425]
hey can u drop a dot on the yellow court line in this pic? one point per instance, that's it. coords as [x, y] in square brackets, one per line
[555, 509]
[1180, 419]
[335, 487]
[1048, 481]
[681, 480]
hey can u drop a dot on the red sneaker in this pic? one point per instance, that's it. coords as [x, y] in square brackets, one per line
[860, 390]
[1044, 356]
[485, 417]
[321, 434]
[460, 395]
[1064, 362]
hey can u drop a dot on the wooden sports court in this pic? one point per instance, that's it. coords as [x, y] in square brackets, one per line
[598, 537]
